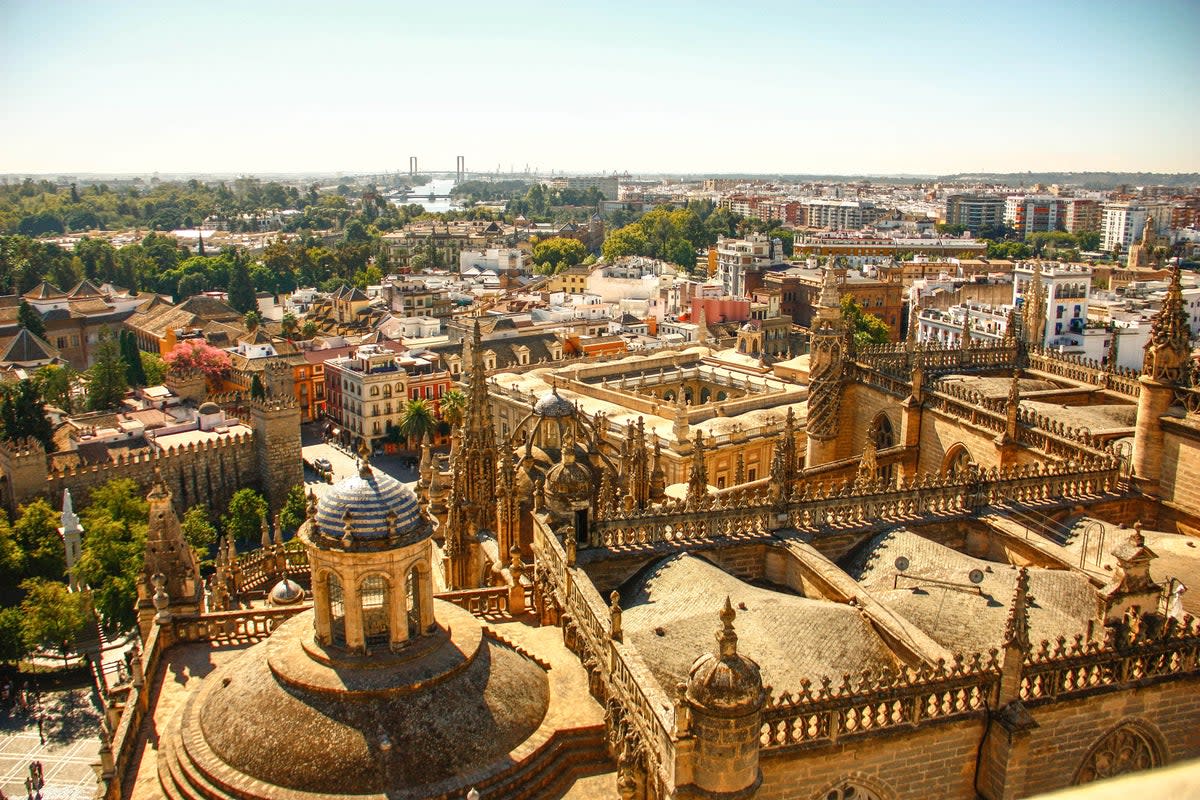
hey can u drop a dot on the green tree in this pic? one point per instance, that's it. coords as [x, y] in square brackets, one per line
[240, 288]
[627, 241]
[309, 329]
[135, 373]
[52, 616]
[153, 367]
[12, 635]
[198, 530]
[56, 383]
[1088, 240]
[289, 324]
[12, 559]
[107, 382]
[868, 328]
[29, 319]
[252, 320]
[244, 516]
[453, 406]
[36, 533]
[295, 509]
[416, 420]
[559, 250]
[114, 541]
[256, 388]
[23, 413]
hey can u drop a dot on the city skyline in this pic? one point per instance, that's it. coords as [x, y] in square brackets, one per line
[854, 90]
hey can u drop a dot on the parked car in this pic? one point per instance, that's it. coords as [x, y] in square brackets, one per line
[322, 465]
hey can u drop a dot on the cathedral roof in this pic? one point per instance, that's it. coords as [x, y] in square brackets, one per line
[368, 500]
[793, 637]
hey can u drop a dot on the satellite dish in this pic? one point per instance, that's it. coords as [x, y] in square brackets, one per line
[975, 576]
[902, 563]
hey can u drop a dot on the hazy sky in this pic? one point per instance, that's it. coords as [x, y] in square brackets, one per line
[836, 86]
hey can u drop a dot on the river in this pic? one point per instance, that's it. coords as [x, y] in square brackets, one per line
[438, 186]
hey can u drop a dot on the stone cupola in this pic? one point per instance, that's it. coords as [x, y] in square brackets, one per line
[1131, 584]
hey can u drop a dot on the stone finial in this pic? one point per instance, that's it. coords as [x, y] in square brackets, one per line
[265, 541]
[347, 529]
[161, 599]
[310, 509]
[570, 546]
[1016, 631]
[614, 612]
[698, 479]
[279, 530]
[364, 460]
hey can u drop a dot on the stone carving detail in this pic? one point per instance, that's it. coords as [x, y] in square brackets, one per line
[850, 791]
[1124, 750]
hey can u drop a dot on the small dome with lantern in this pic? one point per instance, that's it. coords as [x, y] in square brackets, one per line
[374, 507]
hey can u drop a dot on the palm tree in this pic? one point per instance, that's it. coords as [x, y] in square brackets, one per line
[416, 420]
[453, 406]
[289, 324]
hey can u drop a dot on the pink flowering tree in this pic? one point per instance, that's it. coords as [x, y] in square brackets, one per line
[198, 356]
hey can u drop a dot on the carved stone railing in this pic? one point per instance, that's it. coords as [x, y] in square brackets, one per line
[1084, 370]
[1141, 650]
[490, 600]
[1189, 398]
[256, 568]
[845, 506]
[628, 681]
[1070, 668]
[239, 624]
[872, 702]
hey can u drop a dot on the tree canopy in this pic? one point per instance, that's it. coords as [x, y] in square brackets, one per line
[868, 328]
[107, 378]
[244, 517]
[23, 412]
[196, 355]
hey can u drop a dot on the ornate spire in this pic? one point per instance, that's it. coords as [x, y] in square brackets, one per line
[1016, 632]
[1010, 326]
[1113, 346]
[1012, 407]
[698, 479]
[1168, 350]
[868, 467]
[658, 477]
[829, 297]
[739, 470]
[727, 638]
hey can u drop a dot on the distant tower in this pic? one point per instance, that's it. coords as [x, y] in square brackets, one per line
[827, 341]
[276, 424]
[72, 536]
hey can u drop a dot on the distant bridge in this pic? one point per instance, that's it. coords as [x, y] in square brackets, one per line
[460, 169]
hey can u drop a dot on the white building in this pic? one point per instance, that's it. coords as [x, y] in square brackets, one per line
[839, 215]
[1122, 223]
[495, 259]
[736, 257]
[1067, 288]
[986, 324]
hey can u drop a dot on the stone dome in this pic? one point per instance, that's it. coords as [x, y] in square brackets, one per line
[370, 498]
[406, 726]
[570, 479]
[551, 405]
[209, 407]
[725, 681]
[285, 593]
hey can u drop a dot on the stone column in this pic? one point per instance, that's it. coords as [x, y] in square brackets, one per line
[1153, 401]
[321, 619]
[398, 607]
[355, 641]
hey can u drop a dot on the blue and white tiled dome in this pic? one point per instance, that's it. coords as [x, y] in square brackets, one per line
[369, 499]
[551, 405]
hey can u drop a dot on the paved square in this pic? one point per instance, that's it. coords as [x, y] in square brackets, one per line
[71, 725]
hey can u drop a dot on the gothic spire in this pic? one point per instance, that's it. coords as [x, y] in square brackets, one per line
[1016, 632]
[829, 287]
[727, 638]
[1168, 350]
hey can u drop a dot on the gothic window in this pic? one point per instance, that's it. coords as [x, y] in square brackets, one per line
[850, 791]
[885, 435]
[722, 396]
[704, 396]
[337, 611]
[957, 460]
[1127, 749]
[375, 610]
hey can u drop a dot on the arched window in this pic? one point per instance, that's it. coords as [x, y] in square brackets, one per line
[374, 598]
[337, 611]
[1129, 748]
[705, 396]
[722, 396]
[885, 435]
[956, 462]
[413, 591]
[669, 396]
[850, 791]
